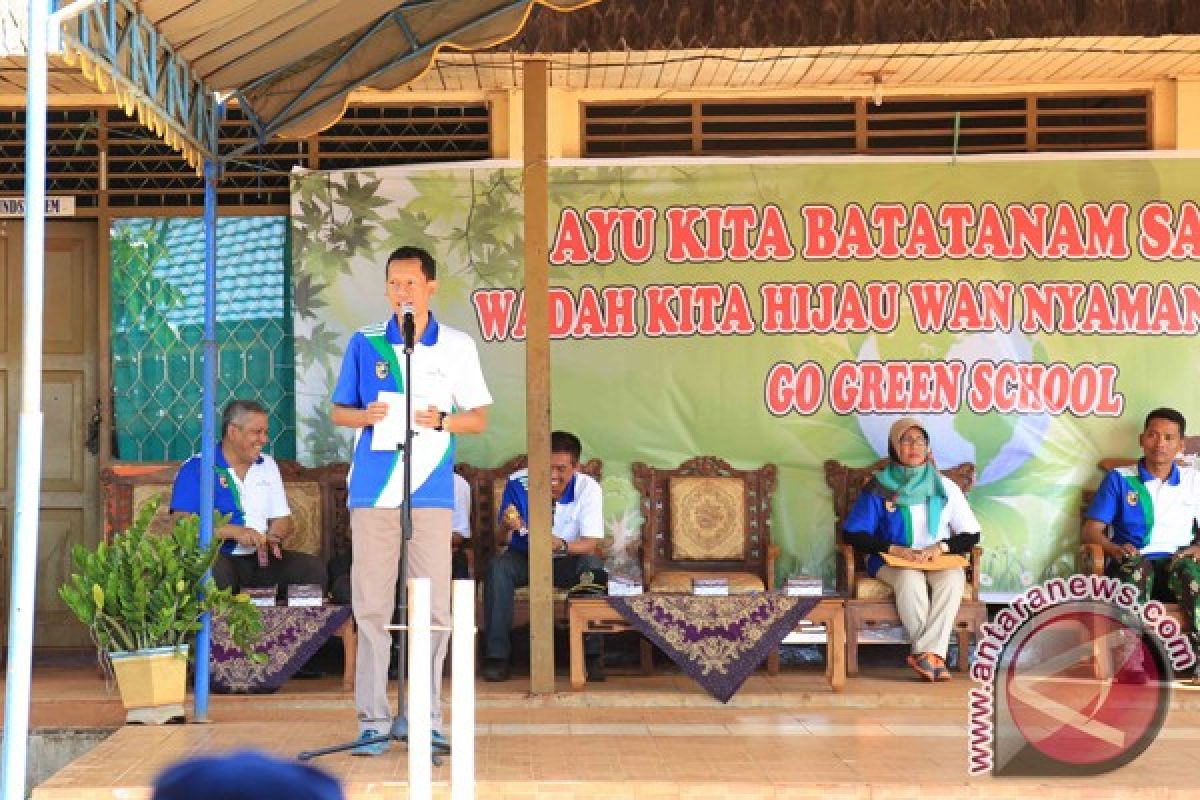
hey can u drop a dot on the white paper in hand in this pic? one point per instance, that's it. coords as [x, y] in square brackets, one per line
[389, 431]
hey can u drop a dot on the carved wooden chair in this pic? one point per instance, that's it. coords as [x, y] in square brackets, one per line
[869, 601]
[706, 519]
[316, 496]
[312, 493]
[487, 488]
[1091, 562]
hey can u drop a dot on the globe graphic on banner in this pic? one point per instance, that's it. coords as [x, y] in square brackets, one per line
[950, 447]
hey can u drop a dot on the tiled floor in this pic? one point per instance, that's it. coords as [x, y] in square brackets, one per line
[658, 737]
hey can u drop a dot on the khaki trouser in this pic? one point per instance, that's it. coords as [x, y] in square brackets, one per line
[376, 542]
[928, 601]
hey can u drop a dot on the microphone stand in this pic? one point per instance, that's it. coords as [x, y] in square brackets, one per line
[399, 729]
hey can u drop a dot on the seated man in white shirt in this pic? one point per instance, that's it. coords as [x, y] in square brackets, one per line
[1151, 509]
[249, 489]
[578, 530]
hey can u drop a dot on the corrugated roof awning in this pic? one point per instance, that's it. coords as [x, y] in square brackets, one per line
[914, 67]
[291, 64]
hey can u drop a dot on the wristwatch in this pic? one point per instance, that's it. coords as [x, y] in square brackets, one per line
[441, 426]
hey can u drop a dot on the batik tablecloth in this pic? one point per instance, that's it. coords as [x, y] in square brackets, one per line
[718, 641]
[291, 636]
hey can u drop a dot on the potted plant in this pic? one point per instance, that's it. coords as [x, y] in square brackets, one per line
[142, 596]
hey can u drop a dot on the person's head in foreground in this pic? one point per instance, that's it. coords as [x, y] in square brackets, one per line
[244, 775]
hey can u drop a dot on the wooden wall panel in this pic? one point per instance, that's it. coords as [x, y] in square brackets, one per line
[5, 433]
[62, 449]
[8, 263]
[56, 625]
[64, 326]
[5, 570]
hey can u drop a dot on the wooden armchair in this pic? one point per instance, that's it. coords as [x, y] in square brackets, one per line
[487, 488]
[706, 519]
[869, 601]
[316, 496]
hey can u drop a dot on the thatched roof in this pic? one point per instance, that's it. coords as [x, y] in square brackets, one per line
[619, 25]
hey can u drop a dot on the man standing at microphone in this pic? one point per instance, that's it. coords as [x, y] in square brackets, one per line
[449, 397]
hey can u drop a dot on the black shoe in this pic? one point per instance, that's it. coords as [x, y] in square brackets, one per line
[595, 669]
[495, 670]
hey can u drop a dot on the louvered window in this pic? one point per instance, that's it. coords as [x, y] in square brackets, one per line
[898, 125]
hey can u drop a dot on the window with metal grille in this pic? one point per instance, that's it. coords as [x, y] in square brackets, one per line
[145, 173]
[372, 136]
[88, 147]
[975, 124]
[72, 154]
[157, 290]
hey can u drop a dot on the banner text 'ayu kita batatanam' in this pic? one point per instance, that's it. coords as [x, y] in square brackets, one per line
[886, 232]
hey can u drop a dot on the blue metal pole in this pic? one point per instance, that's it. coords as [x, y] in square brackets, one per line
[208, 435]
[29, 422]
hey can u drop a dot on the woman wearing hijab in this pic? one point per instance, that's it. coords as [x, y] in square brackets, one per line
[911, 512]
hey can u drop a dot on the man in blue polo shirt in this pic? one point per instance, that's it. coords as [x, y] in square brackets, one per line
[578, 531]
[1144, 518]
[450, 397]
[249, 489]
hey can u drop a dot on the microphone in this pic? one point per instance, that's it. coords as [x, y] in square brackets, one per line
[408, 327]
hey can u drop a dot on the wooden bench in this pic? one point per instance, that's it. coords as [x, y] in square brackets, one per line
[316, 495]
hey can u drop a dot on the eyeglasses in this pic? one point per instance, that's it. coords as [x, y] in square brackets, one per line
[913, 441]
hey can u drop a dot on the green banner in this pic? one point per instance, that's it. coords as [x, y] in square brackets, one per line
[1029, 311]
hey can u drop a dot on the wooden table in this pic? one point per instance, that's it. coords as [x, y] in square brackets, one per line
[587, 615]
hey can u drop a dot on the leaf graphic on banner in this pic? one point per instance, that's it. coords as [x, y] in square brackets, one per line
[988, 432]
[353, 217]
[488, 239]
[309, 221]
[312, 188]
[1002, 561]
[588, 187]
[360, 197]
[325, 442]
[437, 199]
[351, 238]
[502, 266]
[306, 296]
[322, 263]
[318, 349]
[405, 229]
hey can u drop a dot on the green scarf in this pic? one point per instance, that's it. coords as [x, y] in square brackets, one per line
[910, 486]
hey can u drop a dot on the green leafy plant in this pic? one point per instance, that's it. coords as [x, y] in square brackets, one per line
[141, 299]
[144, 590]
